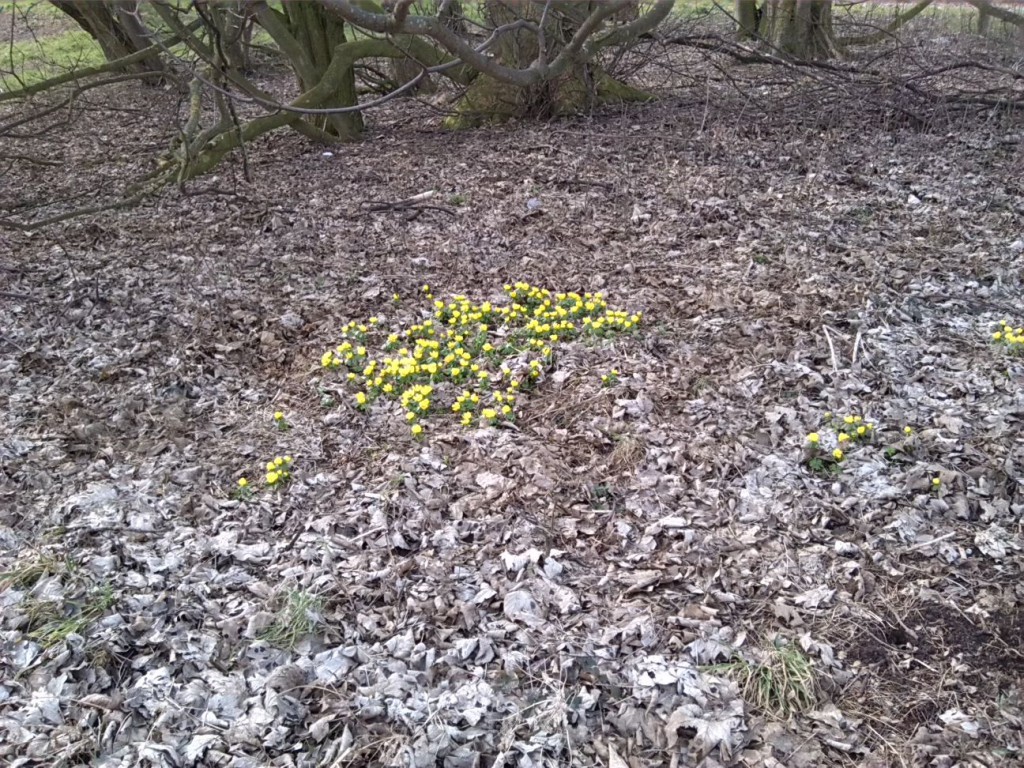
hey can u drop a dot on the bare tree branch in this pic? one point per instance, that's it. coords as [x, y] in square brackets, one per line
[110, 66]
[430, 26]
[888, 30]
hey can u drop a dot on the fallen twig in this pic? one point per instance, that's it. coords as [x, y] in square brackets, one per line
[413, 203]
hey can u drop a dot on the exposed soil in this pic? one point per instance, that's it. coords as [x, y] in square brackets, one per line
[562, 590]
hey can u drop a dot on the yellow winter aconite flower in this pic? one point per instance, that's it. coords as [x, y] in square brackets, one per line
[279, 470]
[482, 346]
[838, 454]
[417, 429]
[278, 415]
[936, 481]
[843, 437]
[1010, 338]
[862, 430]
[242, 482]
[907, 430]
[814, 438]
[489, 413]
[848, 419]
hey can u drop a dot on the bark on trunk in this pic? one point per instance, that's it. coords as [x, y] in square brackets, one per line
[231, 26]
[406, 69]
[987, 12]
[802, 28]
[318, 32]
[115, 26]
[582, 87]
[748, 18]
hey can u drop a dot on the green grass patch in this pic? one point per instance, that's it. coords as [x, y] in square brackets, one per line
[298, 617]
[780, 685]
[25, 575]
[32, 9]
[53, 621]
[26, 62]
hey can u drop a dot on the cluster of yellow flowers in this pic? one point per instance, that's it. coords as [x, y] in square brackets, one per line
[279, 471]
[815, 440]
[852, 427]
[848, 429]
[1010, 337]
[611, 378]
[487, 352]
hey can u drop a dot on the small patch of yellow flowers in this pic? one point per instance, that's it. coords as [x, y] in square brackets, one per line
[848, 430]
[487, 352]
[1009, 337]
[243, 492]
[279, 471]
[610, 379]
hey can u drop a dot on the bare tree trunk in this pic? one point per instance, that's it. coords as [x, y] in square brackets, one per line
[748, 19]
[802, 28]
[230, 25]
[318, 32]
[404, 70]
[583, 86]
[115, 25]
[987, 12]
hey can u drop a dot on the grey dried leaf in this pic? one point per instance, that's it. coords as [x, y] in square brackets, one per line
[520, 606]
[996, 542]
[723, 729]
[287, 678]
[159, 755]
[614, 760]
[814, 597]
[518, 561]
[197, 747]
[258, 623]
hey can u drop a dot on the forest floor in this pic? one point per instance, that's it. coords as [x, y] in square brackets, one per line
[649, 570]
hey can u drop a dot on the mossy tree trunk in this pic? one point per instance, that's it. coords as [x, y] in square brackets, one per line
[987, 12]
[583, 86]
[115, 26]
[802, 28]
[315, 35]
[230, 24]
[748, 19]
[408, 68]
